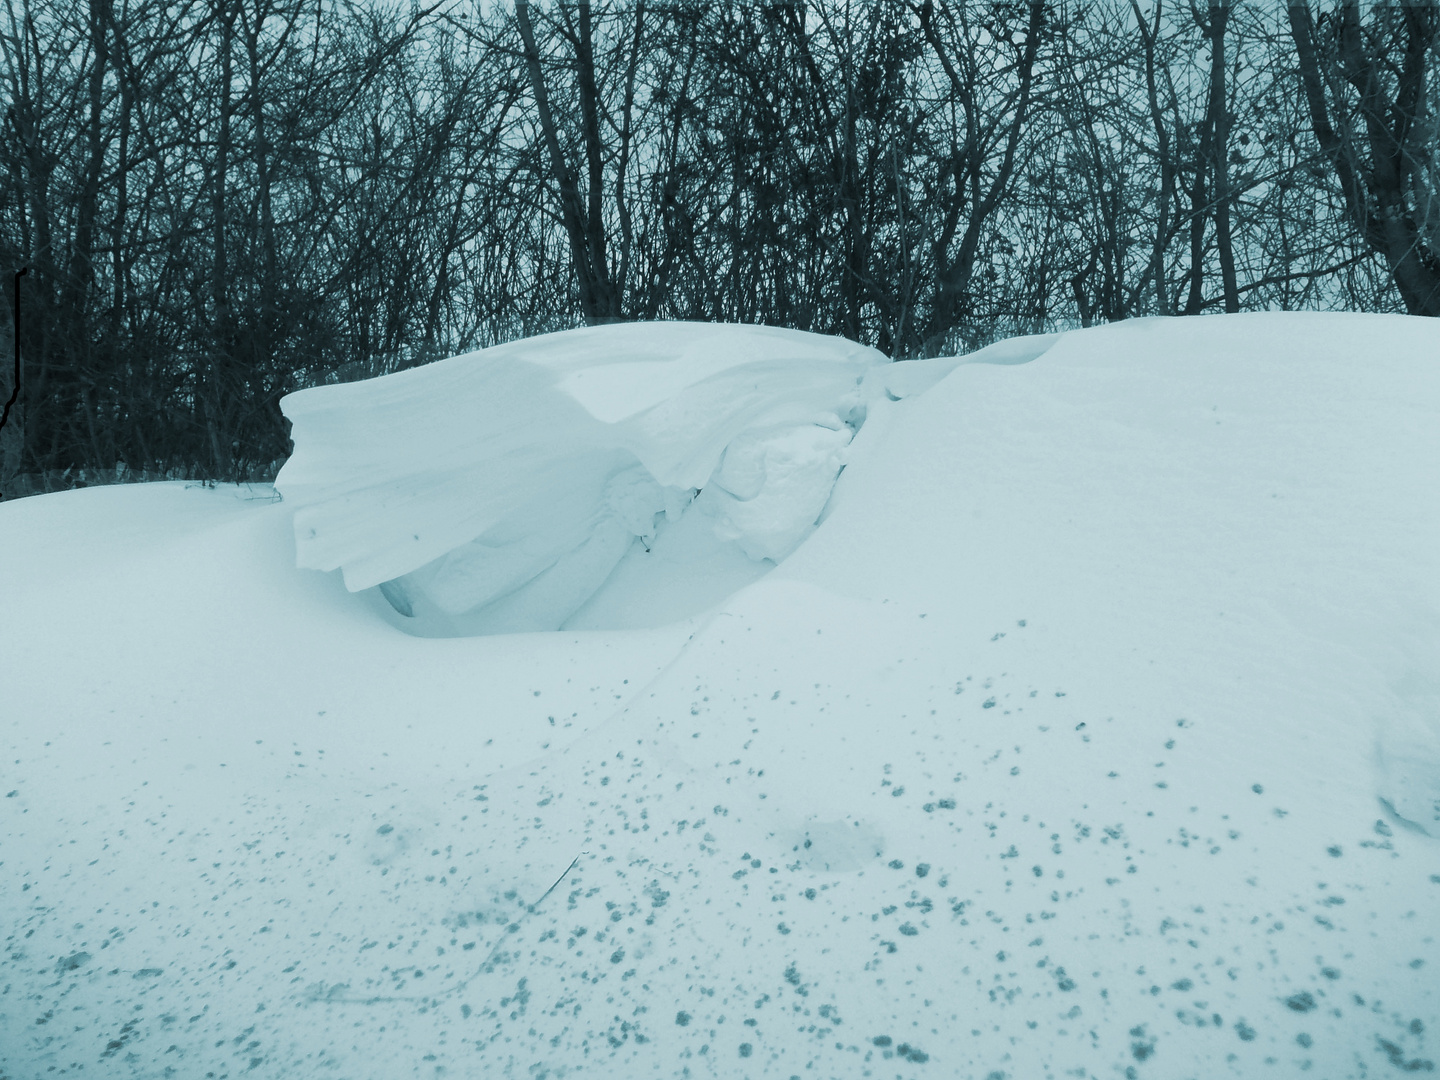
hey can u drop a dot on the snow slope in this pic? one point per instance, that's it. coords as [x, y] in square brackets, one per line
[1093, 732]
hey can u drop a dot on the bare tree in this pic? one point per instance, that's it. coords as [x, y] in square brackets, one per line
[583, 216]
[989, 64]
[1216, 141]
[1365, 83]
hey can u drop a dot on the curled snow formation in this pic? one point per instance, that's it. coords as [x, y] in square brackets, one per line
[499, 490]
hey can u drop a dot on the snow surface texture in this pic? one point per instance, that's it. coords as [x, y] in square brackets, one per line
[1093, 733]
[498, 491]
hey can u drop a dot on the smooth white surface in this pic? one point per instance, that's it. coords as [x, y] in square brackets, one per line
[1094, 729]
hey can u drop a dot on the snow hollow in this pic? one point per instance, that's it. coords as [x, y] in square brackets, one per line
[693, 701]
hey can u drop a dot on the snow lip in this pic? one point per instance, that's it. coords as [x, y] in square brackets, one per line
[1015, 350]
[522, 474]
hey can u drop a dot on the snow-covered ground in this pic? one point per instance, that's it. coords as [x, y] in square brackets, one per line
[1094, 731]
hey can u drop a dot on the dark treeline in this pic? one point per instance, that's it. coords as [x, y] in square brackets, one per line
[222, 201]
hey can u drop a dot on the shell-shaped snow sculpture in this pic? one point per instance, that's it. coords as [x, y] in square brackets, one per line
[506, 485]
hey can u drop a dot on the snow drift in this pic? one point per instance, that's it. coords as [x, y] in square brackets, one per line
[502, 488]
[1092, 733]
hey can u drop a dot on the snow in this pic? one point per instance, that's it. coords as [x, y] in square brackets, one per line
[1093, 731]
[496, 492]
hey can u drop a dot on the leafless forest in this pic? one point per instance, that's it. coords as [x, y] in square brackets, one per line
[222, 201]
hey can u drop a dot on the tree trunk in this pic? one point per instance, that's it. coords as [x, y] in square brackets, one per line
[1217, 122]
[269, 270]
[219, 387]
[1378, 161]
[82, 273]
[598, 300]
[1163, 153]
[953, 275]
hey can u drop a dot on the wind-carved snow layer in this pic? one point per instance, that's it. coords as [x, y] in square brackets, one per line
[498, 491]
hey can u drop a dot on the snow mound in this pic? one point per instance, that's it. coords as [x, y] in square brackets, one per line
[499, 490]
[1097, 730]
